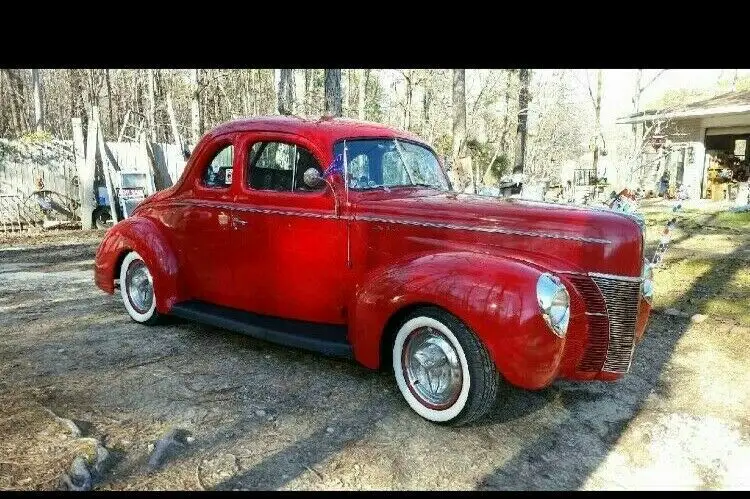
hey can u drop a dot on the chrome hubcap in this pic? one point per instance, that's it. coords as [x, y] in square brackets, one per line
[431, 368]
[140, 287]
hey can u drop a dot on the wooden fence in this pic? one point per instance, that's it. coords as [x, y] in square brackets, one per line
[23, 164]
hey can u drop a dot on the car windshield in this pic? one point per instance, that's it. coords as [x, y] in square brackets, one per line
[387, 163]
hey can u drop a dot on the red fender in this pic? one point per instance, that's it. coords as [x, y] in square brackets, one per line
[495, 297]
[144, 236]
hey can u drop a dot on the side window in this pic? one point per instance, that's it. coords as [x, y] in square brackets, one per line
[218, 173]
[279, 166]
[359, 171]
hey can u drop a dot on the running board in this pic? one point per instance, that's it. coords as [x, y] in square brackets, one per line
[328, 339]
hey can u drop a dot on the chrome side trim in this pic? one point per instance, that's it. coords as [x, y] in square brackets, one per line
[598, 314]
[247, 209]
[416, 223]
[481, 229]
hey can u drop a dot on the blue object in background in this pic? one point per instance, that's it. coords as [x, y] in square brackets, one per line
[102, 198]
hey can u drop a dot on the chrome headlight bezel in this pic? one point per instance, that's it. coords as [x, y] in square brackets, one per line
[554, 303]
[647, 281]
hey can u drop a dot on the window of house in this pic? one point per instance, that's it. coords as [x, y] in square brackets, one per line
[279, 166]
[218, 173]
[740, 148]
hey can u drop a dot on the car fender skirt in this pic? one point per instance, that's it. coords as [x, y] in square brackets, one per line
[494, 296]
[145, 237]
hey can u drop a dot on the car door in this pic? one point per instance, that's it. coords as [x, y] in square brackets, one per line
[290, 245]
[202, 224]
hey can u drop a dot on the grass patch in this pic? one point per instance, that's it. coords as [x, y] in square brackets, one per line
[696, 219]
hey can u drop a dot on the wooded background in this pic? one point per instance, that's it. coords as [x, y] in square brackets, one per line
[485, 122]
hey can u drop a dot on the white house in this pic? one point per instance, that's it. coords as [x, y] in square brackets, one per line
[698, 131]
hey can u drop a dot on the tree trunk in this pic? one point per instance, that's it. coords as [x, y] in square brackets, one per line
[597, 119]
[286, 92]
[459, 114]
[195, 107]
[636, 107]
[524, 77]
[36, 84]
[458, 149]
[333, 92]
[77, 107]
[361, 93]
[308, 91]
[407, 105]
[2, 104]
[426, 98]
[112, 125]
[246, 92]
[15, 86]
[151, 116]
[504, 138]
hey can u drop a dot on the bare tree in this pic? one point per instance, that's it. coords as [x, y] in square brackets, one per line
[458, 145]
[151, 116]
[308, 91]
[597, 101]
[459, 114]
[524, 77]
[286, 92]
[36, 84]
[333, 92]
[195, 107]
[363, 74]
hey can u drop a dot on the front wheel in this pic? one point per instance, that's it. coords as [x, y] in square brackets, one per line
[443, 369]
[137, 290]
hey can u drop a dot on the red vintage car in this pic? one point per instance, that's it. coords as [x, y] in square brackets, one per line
[343, 237]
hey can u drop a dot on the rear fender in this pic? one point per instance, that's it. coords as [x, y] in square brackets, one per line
[144, 236]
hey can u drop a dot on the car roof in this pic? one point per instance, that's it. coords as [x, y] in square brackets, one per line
[326, 129]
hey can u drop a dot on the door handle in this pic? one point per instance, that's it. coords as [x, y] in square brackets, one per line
[238, 222]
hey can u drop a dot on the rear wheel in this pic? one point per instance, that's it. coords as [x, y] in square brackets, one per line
[137, 290]
[442, 368]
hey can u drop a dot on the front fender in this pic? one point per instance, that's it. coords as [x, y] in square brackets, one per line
[147, 238]
[494, 296]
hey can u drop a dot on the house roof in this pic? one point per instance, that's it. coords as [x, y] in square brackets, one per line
[729, 103]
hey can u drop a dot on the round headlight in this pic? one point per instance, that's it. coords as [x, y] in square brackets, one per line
[647, 283]
[554, 303]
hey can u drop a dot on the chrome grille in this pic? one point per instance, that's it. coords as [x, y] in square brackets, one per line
[621, 296]
[595, 350]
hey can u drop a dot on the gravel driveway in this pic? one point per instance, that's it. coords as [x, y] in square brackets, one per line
[267, 417]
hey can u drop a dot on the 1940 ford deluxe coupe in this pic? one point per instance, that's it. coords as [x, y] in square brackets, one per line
[343, 237]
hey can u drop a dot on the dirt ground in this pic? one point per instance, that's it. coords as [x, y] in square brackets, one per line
[267, 417]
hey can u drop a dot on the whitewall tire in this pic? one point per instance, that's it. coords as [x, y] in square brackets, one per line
[137, 290]
[442, 368]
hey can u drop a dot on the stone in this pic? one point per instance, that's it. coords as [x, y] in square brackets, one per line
[699, 318]
[167, 446]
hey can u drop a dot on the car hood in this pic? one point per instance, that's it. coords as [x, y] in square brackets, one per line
[598, 240]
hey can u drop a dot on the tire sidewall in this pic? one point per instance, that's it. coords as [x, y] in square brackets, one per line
[437, 416]
[134, 314]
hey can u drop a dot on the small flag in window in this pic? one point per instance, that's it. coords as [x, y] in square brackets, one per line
[336, 166]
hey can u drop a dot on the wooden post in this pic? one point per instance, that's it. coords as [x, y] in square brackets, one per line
[79, 152]
[146, 154]
[86, 176]
[99, 138]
